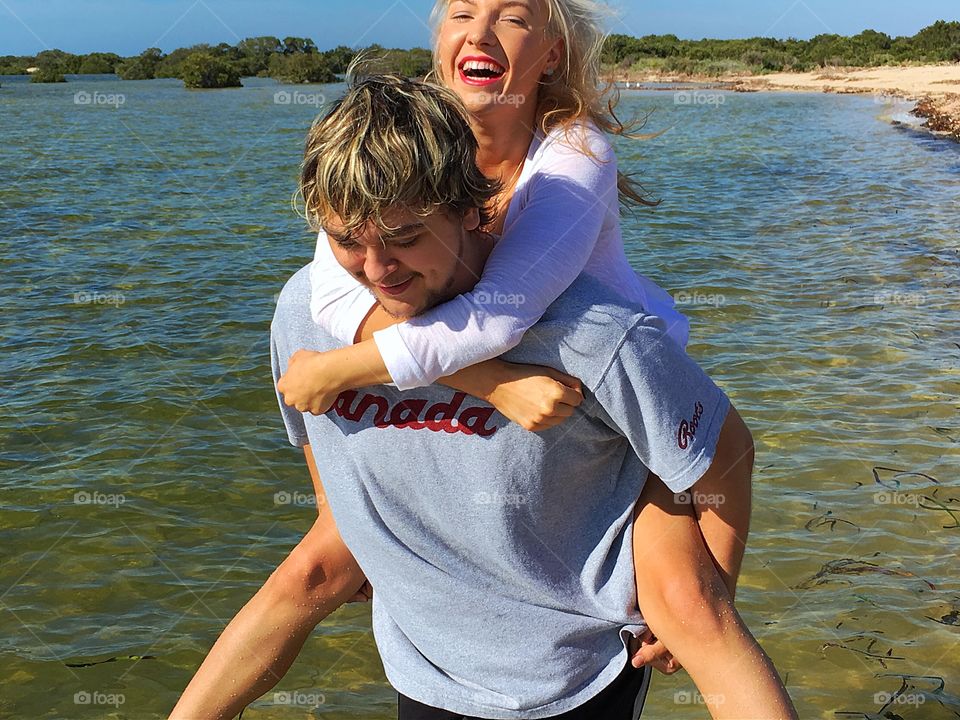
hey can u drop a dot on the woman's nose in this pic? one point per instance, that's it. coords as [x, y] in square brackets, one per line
[481, 32]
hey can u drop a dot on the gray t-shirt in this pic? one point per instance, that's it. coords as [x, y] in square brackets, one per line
[502, 559]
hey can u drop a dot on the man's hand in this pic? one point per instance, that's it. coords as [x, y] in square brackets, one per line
[307, 385]
[647, 650]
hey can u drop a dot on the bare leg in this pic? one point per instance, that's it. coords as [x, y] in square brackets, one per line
[687, 606]
[258, 646]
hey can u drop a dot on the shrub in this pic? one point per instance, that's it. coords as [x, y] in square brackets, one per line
[202, 70]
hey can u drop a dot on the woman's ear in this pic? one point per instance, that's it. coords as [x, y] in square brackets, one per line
[555, 56]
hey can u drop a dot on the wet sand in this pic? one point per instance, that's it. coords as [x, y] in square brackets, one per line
[934, 88]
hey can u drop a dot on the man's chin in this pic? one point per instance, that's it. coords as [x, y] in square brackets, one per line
[398, 309]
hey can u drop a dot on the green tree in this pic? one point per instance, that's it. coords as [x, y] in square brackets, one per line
[99, 63]
[339, 58]
[302, 68]
[48, 74]
[203, 70]
[256, 53]
[295, 46]
[143, 67]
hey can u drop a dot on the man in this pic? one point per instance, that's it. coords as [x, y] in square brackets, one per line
[502, 559]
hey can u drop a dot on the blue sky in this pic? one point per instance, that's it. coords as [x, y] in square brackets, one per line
[129, 26]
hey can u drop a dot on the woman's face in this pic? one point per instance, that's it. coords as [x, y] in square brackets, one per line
[493, 53]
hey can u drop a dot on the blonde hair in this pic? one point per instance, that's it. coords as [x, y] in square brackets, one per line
[392, 142]
[574, 93]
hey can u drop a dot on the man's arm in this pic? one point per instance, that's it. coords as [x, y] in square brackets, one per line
[252, 654]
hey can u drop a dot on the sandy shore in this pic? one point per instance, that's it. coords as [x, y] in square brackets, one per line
[934, 88]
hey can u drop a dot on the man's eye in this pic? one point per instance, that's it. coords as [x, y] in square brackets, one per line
[346, 244]
[407, 243]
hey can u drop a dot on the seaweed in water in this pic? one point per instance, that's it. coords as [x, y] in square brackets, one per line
[910, 694]
[868, 652]
[134, 658]
[898, 474]
[828, 519]
[936, 504]
[849, 566]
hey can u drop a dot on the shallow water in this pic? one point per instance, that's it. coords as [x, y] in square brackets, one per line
[814, 244]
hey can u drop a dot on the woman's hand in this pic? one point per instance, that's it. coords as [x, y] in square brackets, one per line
[309, 385]
[535, 397]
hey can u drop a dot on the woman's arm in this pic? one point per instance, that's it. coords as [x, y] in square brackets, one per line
[533, 396]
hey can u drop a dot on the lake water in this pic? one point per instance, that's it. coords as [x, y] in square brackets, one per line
[145, 230]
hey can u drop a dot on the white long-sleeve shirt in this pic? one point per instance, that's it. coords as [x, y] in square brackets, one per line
[563, 219]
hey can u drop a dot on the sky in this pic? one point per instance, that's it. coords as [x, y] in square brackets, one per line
[127, 27]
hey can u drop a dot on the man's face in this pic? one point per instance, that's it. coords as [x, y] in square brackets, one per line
[413, 268]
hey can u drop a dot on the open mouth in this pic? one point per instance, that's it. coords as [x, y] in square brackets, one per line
[480, 70]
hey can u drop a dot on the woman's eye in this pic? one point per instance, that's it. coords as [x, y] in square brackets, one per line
[460, 16]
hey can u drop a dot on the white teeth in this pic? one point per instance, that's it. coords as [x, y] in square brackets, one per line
[479, 65]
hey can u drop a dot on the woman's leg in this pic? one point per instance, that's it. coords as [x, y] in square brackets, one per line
[687, 606]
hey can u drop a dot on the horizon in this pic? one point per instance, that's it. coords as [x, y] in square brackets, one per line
[127, 28]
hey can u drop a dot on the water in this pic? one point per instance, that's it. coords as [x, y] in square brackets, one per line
[815, 247]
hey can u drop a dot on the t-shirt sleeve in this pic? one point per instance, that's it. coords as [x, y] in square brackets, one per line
[663, 403]
[280, 355]
[338, 302]
[541, 253]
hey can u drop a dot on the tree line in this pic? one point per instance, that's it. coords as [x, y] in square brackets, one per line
[291, 60]
[936, 43]
[298, 60]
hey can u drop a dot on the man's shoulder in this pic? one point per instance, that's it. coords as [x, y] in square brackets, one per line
[583, 330]
[292, 319]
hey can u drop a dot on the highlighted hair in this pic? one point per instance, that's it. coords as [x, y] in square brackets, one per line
[392, 142]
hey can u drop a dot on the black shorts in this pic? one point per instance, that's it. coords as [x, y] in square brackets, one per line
[621, 700]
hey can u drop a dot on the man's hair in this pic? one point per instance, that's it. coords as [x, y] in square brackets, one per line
[392, 142]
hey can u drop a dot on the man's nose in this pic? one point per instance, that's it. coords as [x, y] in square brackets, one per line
[378, 263]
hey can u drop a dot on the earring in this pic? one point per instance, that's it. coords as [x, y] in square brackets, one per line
[548, 72]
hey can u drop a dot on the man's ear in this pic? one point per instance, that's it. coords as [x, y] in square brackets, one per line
[471, 219]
